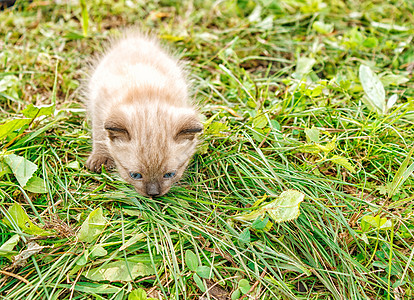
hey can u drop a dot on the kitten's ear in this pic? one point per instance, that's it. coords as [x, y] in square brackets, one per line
[188, 128]
[116, 129]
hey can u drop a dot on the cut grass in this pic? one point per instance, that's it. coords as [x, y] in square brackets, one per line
[246, 62]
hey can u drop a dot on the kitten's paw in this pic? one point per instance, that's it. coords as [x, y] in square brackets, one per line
[95, 162]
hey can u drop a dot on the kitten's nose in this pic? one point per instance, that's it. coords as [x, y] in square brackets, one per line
[153, 189]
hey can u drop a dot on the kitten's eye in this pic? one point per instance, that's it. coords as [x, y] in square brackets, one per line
[135, 175]
[169, 175]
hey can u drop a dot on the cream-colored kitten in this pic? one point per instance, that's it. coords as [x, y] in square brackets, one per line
[143, 121]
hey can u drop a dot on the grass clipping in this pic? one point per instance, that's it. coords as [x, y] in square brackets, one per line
[284, 208]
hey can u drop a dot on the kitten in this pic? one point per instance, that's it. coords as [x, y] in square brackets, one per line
[143, 122]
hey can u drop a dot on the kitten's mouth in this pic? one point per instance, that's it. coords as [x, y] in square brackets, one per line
[156, 196]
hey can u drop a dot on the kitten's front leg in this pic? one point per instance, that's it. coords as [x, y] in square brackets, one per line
[100, 154]
[97, 159]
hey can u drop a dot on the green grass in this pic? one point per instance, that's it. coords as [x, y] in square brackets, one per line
[247, 61]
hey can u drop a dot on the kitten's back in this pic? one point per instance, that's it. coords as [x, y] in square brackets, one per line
[134, 63]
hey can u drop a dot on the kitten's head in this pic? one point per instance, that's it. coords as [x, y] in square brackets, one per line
[152, 146]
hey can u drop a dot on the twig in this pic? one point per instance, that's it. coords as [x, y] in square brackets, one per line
[15, 276]
[320, 128]
[49, 207]
[264, 140]
[229, 110]
[255, 284]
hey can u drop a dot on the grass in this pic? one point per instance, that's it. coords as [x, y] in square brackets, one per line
[278, 83]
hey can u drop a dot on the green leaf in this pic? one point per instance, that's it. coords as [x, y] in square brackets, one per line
[138, 294]
[303, 67]
[374, 90]
[370, 42]
[88, 288]
[12, 125]
[312, 135]
[328, 147]
[22, 220]
[244, 286]
[404, 171]
[384, 189]
[377, 222]
[118, 271]
[92, 227]
[317, 148]
[8, 81]
[283, 208]
[191, 260]
[73, 165]
[130, 212]
[260, 224]
[268, 226]
[137, 237]
[266, 23]
[255, 15]
[344, 162]
[355, 38]
[286, 206]
[322, 27]
[22, 168]
[6, 250]
[32, 111]
[83, 259]
[236, 294]
[199, 283]
[392, 79]
[97, 251]
[310, 148]
[260, 121]
[36, 185]
[314, 91]
[391, 101]
[203, 272]
[4, 168]
[217, 129]
[244, 237]
[259, 134]
[275, 124]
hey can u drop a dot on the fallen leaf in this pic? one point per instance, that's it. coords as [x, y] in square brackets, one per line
[312, 135]
[284, 208]
[6, 250]
[304, 66]
[19, 217]
[12, 125]
[21, 167]
[36, 185]
[32, 111]
[119, 271]
[92, 227]
[373, 88]
[32, 249]
[344, 162]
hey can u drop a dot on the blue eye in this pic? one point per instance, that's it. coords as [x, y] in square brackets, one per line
[135, 175]
[169, 175]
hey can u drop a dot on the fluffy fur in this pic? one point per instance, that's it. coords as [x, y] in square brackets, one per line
[142, 118]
